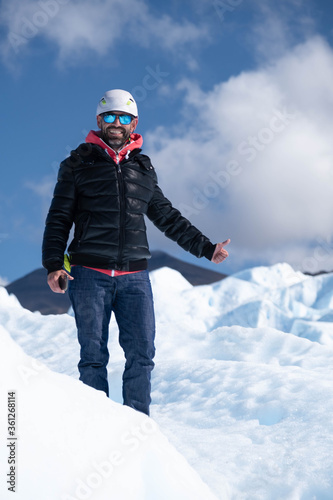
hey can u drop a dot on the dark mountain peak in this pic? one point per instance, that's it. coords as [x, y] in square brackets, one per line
[196, 275]
[34, 294]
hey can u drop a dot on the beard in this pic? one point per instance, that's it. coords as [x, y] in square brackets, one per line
[115, 137]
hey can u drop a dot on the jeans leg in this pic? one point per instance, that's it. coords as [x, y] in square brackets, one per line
[91, 296]
[134, 311]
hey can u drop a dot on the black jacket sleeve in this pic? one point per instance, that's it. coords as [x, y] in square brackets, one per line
[176, 227]
[59, 219]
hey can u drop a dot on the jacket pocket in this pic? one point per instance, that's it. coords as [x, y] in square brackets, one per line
[81, 227]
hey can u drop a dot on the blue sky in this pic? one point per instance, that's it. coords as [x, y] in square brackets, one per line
[235, 107]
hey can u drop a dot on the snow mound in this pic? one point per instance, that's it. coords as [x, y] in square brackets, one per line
[72, 437]
[273, 277]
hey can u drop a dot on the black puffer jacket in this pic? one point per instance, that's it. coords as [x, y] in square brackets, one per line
[107, 203]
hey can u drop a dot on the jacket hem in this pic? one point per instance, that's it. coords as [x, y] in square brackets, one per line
[92, 261]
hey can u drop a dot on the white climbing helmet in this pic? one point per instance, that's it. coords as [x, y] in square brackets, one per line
[117, 100]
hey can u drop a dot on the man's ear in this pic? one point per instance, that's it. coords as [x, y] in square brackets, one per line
[99, 121]
[134, 124]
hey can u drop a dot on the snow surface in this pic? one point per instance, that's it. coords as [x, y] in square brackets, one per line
[242, 389]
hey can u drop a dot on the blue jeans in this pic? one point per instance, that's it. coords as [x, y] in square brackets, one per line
[94, 295]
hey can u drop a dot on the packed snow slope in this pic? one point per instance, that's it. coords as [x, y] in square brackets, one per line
[74, 443]
[243, 388]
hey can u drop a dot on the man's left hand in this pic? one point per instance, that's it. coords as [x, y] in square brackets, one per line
[220, 253]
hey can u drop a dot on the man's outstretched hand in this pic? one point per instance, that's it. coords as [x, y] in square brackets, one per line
[220, 253]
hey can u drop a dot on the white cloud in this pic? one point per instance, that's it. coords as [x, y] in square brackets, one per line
[253, 158]
[3, 281]
[80, 26]
[43, 191]
[44, 188]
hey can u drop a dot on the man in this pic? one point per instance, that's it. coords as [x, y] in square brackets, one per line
[106, 187]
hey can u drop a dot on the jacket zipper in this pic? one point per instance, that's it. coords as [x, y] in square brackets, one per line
[122, 211]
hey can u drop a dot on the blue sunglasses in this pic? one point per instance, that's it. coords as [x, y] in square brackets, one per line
[123, 119]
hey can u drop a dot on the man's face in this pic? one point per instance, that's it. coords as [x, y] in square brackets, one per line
[115, 134]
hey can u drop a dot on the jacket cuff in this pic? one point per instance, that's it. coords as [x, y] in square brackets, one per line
[53, 266]
[209, 252]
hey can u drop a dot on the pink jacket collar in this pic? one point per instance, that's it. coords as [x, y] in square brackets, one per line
[135, 142]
